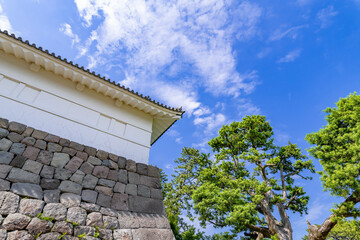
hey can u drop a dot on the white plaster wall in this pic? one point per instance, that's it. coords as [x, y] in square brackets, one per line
[51, 103]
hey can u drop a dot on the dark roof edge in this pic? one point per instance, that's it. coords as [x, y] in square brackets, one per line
[147, 98]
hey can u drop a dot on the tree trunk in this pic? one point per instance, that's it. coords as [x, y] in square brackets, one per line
[284, 233]
[321, 232]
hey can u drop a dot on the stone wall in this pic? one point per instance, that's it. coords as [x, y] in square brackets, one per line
[53, 188]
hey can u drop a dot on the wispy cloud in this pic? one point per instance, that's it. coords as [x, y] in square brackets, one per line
[4, 21]
[290, 32]
[246, 107]
[325, 16]
[66, 29]
[290, 57]
[154, 43]
[211, 123]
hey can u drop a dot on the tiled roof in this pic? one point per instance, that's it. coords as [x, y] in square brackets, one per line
[90, 72]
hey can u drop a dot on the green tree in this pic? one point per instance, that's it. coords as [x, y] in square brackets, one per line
[337, 147]
[244, 185]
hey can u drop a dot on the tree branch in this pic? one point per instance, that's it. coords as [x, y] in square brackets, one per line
[283, 183]
[263, 230]
[291, 199]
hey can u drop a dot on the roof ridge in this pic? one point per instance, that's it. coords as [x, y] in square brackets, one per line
[147, 98]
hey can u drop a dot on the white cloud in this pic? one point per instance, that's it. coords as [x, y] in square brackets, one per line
[66, 29]
[303, 2]
[290, 57]
[290, 32]
[246, 107]
[179, 39]
[4, 21]
[211, 123]
[263, 53]
[325, 15]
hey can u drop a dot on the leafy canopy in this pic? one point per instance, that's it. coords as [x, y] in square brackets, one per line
[245, 180]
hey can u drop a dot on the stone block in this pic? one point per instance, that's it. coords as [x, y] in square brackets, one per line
[16, 127]
[110, 164]
[49, 236]
[90, 207]
[78, 177]
[122, 176]
[142, 169]
[18, 161]
[47, 172]
[38, 134]
[74, 164]
[133, 178]
[32, 166]
[29, 141]
[110, 222]
[89, 196]
[69, 151]
[89, 231]
[55, 210]
[63, 227]
[90, 151]
[94, 161]
[31, 207]
[123, 234]
[40, 144]
[105, 234]
[18, 148]
[9, 203]
[106, 183]
[146, 205]
[143, 191]
[131, 189]
[18, 175]
[153, 172]
[45, 157]
[31, 152]
[121, 162]
[77, 146]
[108, 212]
[27, 190]
[6, 157]
[105, 190]
[5, 144]
[102, 154]
[4, 185]
[3, 234]
[101, 171]
[16, 221]
[149, 233]
[17, 235]
[130, 165]
[3, 132]
[15, 137]
[4, 123]
[128, 220]
[28, 131]
[70, 187]
[103, 200]
[60, 160]
[64, 142]
[90, 181]
[119, 202]
[76, 215]
[82, 155]
[162, 222]
[62, 174]
[4, 170]
[52, 138]
[37, 226]
[119, 187]
[113, 157]
[70, 200]
[156, 193]
[87, 168]
[94, 219]
[49, 184]
[54, 147]
[151, 182]
[52, 196]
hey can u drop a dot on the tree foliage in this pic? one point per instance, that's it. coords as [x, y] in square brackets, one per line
[337, 147]
[244, 183]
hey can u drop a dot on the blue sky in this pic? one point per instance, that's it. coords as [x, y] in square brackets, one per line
[219, 59]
